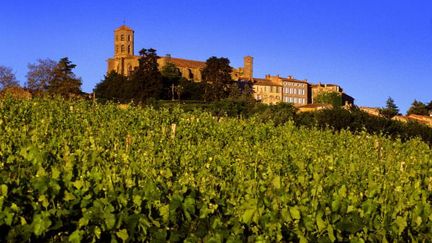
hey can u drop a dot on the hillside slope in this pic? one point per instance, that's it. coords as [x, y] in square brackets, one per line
[78, 171]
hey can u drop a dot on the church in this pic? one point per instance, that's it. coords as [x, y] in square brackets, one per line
[125, 61]
[268, 90]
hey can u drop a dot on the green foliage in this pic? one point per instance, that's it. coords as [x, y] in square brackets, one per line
[64, 81]
[240, 107]
[332, 98]
[112, 87]
[418, 108]
[217, 78]
[171, 77]
[192, 90]
[357, 121]
[241, 90]
[279, 113]
[390, 110]
[146, 81]
[84, 172]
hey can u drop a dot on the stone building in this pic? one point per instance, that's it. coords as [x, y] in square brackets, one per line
[267, 91]
[295, 91]
[125, 61]
[319, 88]
[275, 89]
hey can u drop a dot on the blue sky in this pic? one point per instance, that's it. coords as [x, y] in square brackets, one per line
[373, 49]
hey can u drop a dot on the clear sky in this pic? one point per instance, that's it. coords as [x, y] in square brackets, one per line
[372, 48]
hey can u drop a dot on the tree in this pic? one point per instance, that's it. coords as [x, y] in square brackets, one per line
[146, 80]
[111, 87]
[40, 74]
[171, 77]
[242, 89]
[64, 81]
[191, 90]
[332, 98]
[429, 107]
[217, 78]
[7, 78]
[390, 110]
[418, 108]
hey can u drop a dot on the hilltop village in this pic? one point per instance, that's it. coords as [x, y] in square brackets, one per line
[271, 89]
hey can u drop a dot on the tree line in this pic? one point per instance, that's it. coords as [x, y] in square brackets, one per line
[148, 82]
[46, 76]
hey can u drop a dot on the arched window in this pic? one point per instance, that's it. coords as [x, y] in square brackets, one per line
[191, 76]
[129, 49]
[122, 48]
[128, 37]
[122, 37]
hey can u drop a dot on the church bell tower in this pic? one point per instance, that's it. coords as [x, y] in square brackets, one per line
[123, 42]
[248, 68]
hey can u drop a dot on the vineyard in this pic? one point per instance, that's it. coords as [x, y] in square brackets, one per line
[77, 171]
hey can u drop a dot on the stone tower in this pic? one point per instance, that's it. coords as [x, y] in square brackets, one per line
[248, 68]
[123, 42]
[124, 60]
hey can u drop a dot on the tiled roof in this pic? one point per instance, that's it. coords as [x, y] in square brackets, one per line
[266, 82]
[123, 27]
[293, 80]
[179, 62]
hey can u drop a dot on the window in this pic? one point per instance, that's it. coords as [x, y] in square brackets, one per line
[117, 49]
[129, 38]
[122, 48]
[191, 76]
[122, 37]
[129, 49]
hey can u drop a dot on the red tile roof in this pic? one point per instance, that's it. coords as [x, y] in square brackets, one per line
[266, 82]
[179, 62]
[123, 27]
[293, 80]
